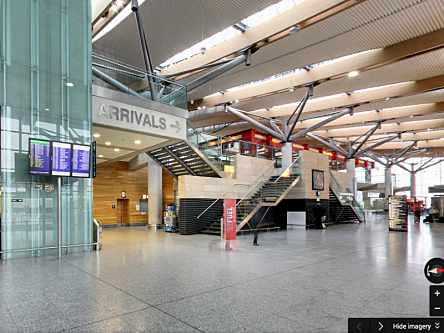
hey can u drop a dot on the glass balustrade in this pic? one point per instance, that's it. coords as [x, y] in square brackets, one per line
[137, 82]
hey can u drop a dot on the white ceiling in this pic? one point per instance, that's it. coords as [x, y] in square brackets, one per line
[124, 141]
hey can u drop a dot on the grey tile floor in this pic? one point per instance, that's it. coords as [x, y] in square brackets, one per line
[295, 281]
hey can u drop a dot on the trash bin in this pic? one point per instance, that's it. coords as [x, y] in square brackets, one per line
[97, 234]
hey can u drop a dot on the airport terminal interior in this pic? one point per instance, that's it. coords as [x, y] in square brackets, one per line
[222, 166]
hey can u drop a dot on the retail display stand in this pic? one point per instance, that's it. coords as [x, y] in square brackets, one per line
[398, 213]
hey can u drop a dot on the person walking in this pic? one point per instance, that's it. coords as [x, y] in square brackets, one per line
[417, 214]
[318, 214]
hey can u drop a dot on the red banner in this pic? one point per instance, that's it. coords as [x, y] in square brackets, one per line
[230, 219]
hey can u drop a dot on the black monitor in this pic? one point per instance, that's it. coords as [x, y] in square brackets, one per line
[39, 157]
[61, 159]
[81, 161]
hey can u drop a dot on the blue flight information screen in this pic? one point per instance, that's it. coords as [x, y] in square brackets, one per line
[81, 160]
[61, 159]
[39, 157]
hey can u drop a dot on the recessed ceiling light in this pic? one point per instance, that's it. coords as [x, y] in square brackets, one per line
[294, 30]
[108, 143]
[388, 98]
[236, 101]
[97, 135]
[412, 116]
[116, 149]
[46, 109]
[353, 73]
[69, 84]
[100, 156]
[137, 142]
[429, 129]
[204, 107]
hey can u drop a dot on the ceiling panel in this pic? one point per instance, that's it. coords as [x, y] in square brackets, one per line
[372, 24]
[173, 26]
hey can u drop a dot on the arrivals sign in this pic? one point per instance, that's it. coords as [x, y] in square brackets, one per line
[229, 219]
[125, 116]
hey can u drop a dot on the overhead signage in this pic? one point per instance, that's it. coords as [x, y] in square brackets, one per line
[94, 159]
[125, 116]
[436, 189]
[61, 159]
[81, 160]
[230, 219]
[39, 157]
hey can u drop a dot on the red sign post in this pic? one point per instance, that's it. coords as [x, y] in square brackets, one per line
[229, 219]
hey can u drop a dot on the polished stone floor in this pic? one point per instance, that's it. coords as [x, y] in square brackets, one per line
[295, 281]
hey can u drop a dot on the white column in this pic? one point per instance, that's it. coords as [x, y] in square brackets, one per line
[413, 185]
[350, 165]
[388, 182]
[154, 194]
[287, 155]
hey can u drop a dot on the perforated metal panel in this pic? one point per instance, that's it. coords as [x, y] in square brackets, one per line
[172, 26]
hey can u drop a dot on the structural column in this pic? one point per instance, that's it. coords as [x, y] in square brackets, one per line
[287, 154]
[350, 165]
[413, 185]
[154, 194]
[388, 185]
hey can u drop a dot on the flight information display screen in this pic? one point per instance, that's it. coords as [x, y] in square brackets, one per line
[61, 159]
[39, 157]
[81, 160]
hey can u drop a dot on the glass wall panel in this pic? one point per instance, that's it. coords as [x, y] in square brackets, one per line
[45, 45]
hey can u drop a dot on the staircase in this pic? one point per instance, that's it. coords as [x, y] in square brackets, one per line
[264, 194]
[340, 212]
[184, 158]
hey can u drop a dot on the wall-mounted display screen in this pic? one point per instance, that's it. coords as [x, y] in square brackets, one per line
[61, 159]
[39, 157]
[81, 160]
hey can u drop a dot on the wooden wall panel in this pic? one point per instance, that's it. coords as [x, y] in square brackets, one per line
[167, 189]
[111, 180]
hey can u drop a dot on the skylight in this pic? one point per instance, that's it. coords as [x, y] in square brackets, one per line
[231, 32]
[287, 73]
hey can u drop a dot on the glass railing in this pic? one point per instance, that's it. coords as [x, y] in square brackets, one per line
[221, 149]
[347, 197]
[266, 191]
[138, 82]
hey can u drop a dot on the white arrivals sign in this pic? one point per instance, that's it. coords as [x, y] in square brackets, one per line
[125, 116]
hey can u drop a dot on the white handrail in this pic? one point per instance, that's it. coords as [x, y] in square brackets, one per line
[274, 181]
[237, 184]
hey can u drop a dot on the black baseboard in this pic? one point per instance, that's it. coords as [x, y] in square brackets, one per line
[190, 209]
[298, 205]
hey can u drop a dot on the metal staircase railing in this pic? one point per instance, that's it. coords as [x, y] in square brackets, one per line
[354, 205]
[266, 194]
[236, 184]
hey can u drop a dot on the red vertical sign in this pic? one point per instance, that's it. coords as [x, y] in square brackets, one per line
[230, 219]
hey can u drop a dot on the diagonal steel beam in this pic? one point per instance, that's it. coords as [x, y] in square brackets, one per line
[178, 160]
[301, 107]
[276, 128]
[413, 154]
[428, 166]
[403, 167]
[146, 55]
[328, 144]
[406, 149]
[320, 124]
[254, 122]
[161, 165]
[216, 72]
[424, 165]
[365, 139]
[377, 144]
[376, 159]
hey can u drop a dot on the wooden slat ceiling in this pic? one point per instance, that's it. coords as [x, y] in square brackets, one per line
[173, 26]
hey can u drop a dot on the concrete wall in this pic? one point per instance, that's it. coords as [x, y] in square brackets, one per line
[308, 161]
[342, 178]
[246, 170]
